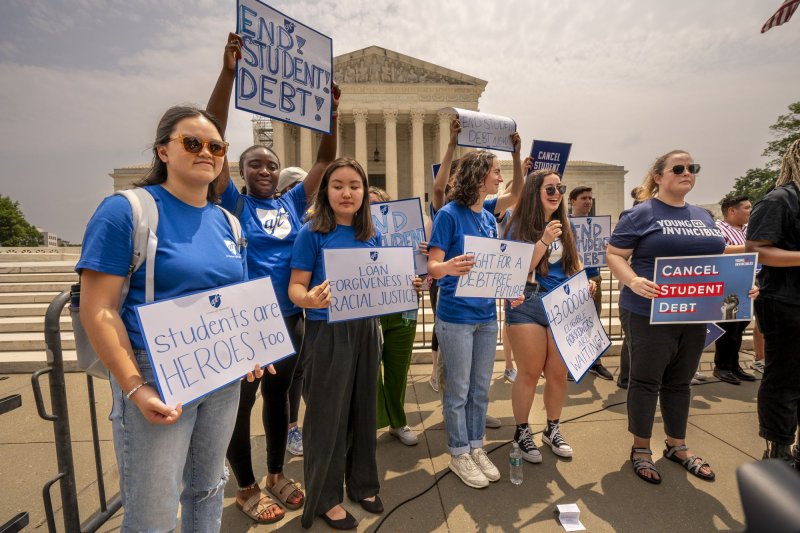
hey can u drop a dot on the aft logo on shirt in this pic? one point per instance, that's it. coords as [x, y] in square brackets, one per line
[275, 222]
[232, 248]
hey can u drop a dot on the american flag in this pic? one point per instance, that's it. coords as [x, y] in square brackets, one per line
[783, 14]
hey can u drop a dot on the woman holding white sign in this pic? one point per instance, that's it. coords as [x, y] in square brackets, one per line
[340, 359]
[271, 226]
[540, 218]
[467, 327]
[166, 454]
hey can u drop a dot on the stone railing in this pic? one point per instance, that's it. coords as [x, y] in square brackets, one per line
[44, 253]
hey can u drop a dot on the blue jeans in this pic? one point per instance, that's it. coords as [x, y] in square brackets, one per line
[467, 355]
[162, 465]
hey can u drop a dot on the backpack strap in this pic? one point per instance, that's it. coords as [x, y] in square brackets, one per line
[236, 228]
[144, 212]
[237, 211]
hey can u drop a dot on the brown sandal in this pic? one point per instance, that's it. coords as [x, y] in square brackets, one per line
[283, 490]
[258, 504]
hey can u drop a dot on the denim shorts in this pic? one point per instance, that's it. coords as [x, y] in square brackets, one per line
[531, 311]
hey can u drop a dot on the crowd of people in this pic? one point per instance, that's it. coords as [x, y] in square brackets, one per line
[352, 375]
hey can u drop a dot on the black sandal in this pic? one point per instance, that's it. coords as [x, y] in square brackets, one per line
[640, 464]
[692, 464]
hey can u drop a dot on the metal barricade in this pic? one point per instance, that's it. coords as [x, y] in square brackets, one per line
[63, 440]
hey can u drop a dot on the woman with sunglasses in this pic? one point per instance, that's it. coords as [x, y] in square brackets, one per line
[271, 226]
[540, 218]
[663, 357]
[166, 454]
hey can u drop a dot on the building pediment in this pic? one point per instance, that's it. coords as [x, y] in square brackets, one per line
[376, 65]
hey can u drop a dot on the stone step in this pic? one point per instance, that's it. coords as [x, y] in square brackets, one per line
[30, 267]
[27, 324]
[39, 277]
[29, 341]
[43, 286]
[27, 297]
[26, 362]
[35, 309]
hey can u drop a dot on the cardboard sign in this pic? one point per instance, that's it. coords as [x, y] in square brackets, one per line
[482, 130]
[713, 332]
[703, 288]
[400, 223]
[591, 237]
[500, 271]
[286, 68]
[369, 282]
[204, 341]
[552, 155]
[574, 324]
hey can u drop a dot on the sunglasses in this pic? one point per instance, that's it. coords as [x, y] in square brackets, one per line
[193, 145]
[551, 190]
[694, 168]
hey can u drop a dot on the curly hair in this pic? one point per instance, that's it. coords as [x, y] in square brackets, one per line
[472, 171]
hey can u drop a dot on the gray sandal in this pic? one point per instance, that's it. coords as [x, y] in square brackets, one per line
[640, 464]
[692, 464]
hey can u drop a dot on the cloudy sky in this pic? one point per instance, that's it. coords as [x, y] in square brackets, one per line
[83, 82]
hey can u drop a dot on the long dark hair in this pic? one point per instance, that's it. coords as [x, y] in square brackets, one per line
[322, 217]
[166, 127]
[528, 221]
[472, 170]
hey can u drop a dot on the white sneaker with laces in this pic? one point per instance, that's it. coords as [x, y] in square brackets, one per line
[485, 464]
[510, 374]
[464, 467]
[434, 383]
[556, 441]
[294, 441]
[492, 422]
[758, 365]
[405, 435]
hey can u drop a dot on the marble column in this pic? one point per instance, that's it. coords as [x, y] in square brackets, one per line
[444, 132]
[417, 154]
[279, 140]
[360, 117]
[306, 156]
[390, 122]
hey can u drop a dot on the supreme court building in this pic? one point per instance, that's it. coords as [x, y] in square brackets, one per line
[391, 121]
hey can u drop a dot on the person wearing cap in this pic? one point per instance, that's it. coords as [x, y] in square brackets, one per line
[288, 178]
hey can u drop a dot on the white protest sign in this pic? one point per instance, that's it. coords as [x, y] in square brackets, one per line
[286, 68]
[369, 282]
[500, 271]
[201, 342]
[400, 223]
[576, 328]
[482, 130]
[591, 237]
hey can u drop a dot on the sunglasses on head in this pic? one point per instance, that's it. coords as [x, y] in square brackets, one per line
[551, 190]
[694, 168]
[193, 145]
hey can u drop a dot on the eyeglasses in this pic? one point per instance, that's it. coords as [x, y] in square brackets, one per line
[551, 190]
[193, 145]
[694, 168]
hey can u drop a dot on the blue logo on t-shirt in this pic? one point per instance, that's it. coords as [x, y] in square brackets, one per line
[215, 300]
[373, 256]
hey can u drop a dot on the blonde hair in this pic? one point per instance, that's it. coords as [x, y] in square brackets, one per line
[649, 187]
[790, 166]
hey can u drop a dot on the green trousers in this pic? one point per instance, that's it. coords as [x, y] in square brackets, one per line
[398, 340]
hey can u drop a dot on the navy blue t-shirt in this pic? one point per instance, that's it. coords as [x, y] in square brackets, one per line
[196, 251]
[452, 222]
[307, 254]
[654, 229]
[271, 227]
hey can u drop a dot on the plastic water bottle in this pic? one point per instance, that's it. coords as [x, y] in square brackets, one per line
[515, 465]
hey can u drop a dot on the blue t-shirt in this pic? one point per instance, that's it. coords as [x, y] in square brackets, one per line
[555, 270]
[452, 222]
[307, 254]
[271, 227]
[196, 251]
[654, 229]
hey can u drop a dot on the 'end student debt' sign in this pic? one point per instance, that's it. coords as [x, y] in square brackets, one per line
[286, 68]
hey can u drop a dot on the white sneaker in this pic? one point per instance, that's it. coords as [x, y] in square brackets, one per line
[510, 374]
[294, 441]
[464, 467]
[434, 383]
[485, 464]
[405, 434]
[492, 422]
[758, 365]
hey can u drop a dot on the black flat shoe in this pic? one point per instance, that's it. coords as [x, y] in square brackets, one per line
[742, 375]
[348, 522]
[374, 507]
[727, 376]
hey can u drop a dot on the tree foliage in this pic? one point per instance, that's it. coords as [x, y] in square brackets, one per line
[14, 229]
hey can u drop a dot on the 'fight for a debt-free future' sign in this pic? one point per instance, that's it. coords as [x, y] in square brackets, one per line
[591, 237]
[204, 341]
[369, 282]
[286, 68]
[500, 270]
[400, 223]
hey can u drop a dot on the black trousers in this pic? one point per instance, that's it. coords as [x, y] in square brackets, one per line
[624, 353]
[664, 358]
[779, 393]
[726, 351]
[275, 415]
[295, 393]
[340, 383]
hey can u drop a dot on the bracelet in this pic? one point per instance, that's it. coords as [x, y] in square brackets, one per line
[136, 388]
[542, 241]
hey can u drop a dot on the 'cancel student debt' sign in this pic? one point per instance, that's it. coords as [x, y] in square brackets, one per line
[500, 271]
[286, 68]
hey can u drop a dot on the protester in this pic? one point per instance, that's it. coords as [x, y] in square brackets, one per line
[664, 357]
[271, 226]
[735, 213]
[467, 327]
[581, 203]
[340, 359]
[166, 454]
[510, 373]
[774, 232]
[540, 219]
